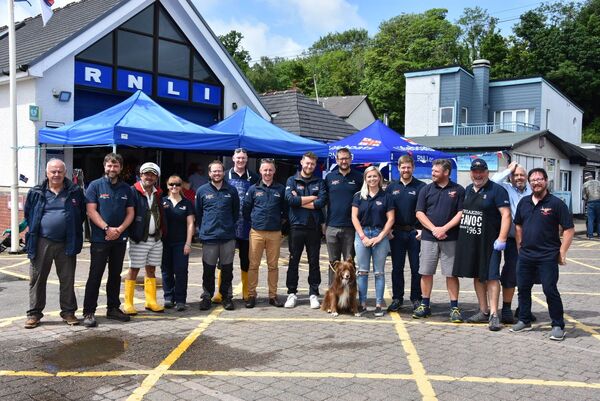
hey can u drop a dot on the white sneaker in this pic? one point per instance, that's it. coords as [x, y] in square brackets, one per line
[291, 301]
[314, 302]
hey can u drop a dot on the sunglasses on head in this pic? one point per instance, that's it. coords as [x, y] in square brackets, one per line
[240, 150]
[174, 184]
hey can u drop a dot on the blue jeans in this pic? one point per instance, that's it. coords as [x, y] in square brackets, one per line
[527, 271]
[174, 271]
[593, 218]
[405, 242]
[377, 254]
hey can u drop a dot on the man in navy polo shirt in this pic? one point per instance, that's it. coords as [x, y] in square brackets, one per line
[404, 194]
[439, 209]
[110, 209]
[537, 223]
[217, 210]
[341, 185]
[482, 236]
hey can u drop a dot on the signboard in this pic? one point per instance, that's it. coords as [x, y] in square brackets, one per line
[101, 76]
[464, 161]
[34, 112]
[564, 196]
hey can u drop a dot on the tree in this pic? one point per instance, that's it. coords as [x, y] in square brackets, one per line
[404, 43]
[232, 43]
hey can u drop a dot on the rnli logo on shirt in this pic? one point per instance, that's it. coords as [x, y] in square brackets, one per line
[452, 194]
[378, 203]
[352, 182]
[396, 192]
[209, 196]
[227, 195]
[484, 196]
[259, 194]
[183, 207]
[335, 182]
[277, 195]
[412, 193]
[166, 205]
[315, 188]
[74, 202]
[300, 187]
[546, 211]
[124, 197]
[104, 196]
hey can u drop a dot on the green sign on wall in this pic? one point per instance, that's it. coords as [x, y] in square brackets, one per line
[34, 112]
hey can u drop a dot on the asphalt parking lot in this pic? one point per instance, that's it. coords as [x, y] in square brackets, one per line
[269, 353]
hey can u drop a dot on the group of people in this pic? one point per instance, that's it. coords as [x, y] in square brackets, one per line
[466, 230]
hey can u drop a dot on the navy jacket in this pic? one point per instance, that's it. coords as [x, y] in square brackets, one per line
[74, 210]
[265, 206]
[217, 211]
[138, 230]
[305, 187]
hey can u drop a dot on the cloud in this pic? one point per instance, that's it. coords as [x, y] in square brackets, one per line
[258, 39]
[327, 16]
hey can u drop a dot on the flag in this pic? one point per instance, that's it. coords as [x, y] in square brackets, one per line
[46, 5]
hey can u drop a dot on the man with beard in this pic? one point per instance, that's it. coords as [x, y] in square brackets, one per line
[341, 184]
[537, 221]
[110, 209]
[404, 194]
[145, 242]
[217, 210]
[439, 209]
[482, 235]
[305, 194]
[517, 189]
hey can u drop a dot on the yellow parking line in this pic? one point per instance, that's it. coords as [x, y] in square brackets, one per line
[308, 375]
[5, 268]
[506, 380]
[105, 374]
[26, 373]
[569, 318]
[582, 264]
[563, 273]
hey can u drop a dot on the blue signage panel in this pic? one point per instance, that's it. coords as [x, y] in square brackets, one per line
[173, 88]
[131, 81]
[464, 161]
[96, 75]
[207, 94]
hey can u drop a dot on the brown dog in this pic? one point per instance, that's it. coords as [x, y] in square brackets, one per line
[341, 296]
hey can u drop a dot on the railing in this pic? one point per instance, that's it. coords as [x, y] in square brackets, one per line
[484, 129]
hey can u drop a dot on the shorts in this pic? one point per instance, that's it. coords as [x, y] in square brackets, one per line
[508, 278]
[431, 251]
[145, 253]
[494, 265]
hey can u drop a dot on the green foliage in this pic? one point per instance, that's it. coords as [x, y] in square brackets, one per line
[231, 42]
[591, 133]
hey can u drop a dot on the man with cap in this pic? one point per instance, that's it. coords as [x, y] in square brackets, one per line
[482, 235]
[591, 194]
[110, 209]
[145, 244]
[517, 189]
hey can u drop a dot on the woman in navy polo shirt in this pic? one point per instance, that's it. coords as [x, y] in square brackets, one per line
[373, 218]
[177, 244]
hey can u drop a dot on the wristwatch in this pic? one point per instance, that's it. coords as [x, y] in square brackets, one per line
[105, 228]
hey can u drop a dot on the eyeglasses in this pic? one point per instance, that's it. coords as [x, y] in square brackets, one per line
[174, 184]
[240, 150]
[267, 160]
[344, 158]
[537, 180]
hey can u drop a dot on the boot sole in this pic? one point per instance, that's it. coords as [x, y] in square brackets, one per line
[155, 311]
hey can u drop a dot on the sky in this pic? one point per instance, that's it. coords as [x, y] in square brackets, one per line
[284, 28]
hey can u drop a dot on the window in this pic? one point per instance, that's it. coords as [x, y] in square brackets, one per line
[514, 120]
[134, 50]
[529, 162]
[565, 180]
[143, 22]
[101, 51]
[446, 115]
[551, 170]
[167, 28]
[173, 59]
[464, 114]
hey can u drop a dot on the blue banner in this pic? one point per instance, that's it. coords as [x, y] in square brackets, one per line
[132, 81]
[207, 94]
[464, 161]
[96, 75]
[173, 88]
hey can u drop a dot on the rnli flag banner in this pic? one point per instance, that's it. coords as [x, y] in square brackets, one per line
[46, 5]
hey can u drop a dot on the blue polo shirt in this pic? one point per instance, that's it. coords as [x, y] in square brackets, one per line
[440, 205]
[372, 211]
[540, 239]
[405, 199]
[113, 201]
[176, 219]
[493, 196]
[52, 225]
[340, 191]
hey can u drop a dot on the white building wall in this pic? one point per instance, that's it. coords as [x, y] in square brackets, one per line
[361, 117]
[422, 106]
[26, 132]
[560, 116]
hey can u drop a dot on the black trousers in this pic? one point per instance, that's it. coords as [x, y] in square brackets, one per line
[298, 239]
[102, 253]
[243, 246]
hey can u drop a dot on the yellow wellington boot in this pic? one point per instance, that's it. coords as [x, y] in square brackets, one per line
[218, 298]
[150, 291]
[128, 307]
[245, 294]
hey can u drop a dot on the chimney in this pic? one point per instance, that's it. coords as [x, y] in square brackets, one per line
[481, 86]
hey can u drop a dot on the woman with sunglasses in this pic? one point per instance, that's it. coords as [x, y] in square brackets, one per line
[373, 218]
[179, 218]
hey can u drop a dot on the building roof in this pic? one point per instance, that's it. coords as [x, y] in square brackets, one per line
[66, 22]
[294, 112]
[343, 106]
[506, 141]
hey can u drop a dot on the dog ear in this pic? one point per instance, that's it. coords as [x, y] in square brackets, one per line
[351, 261]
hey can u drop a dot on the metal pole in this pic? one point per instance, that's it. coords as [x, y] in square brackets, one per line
[14, 186]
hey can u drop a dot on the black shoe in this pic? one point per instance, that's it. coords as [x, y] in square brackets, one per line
[205, 303]
[117, 314]
[169, 304]
[275, 302]
[395, 305]
[532, 319]
[251, 302]
[89, 320]
[180, 307]
[228, 304]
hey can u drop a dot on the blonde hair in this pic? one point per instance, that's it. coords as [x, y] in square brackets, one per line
[364, 191]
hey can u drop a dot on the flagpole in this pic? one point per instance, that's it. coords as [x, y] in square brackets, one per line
[14, 187]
